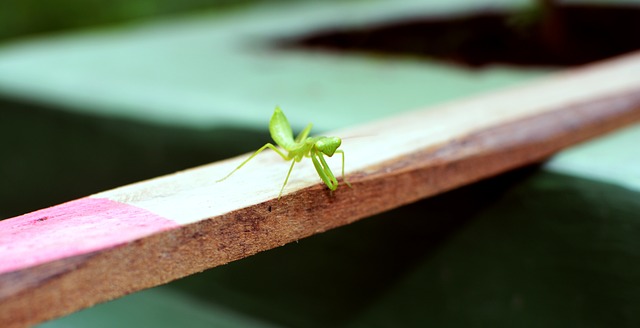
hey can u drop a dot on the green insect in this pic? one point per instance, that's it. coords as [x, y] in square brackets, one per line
[300, 147]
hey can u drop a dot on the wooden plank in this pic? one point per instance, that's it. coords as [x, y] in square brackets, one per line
[65, 258]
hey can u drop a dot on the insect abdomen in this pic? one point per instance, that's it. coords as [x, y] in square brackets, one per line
[280, 129]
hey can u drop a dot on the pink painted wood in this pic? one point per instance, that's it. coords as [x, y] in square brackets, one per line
[74, 228]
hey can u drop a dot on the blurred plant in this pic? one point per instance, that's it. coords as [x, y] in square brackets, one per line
[20, 18]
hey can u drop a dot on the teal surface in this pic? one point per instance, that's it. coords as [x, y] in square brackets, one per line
[213, 70]
[613, 158]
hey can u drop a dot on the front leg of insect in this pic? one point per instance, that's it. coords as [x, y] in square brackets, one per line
[329, 146]
[324, 171]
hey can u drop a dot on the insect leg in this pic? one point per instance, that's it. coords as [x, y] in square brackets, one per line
[327, 170]
[268, 145]
[287, 178]
[324, 171]
[343, 177]
[304, 134]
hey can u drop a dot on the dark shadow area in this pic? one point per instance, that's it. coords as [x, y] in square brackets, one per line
[558, 35]
[63, 156]
[525, 249]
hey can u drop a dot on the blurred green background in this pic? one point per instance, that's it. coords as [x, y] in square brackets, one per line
[29, 18]
[97, 95]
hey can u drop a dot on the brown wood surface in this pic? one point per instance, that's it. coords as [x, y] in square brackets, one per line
[568, 108]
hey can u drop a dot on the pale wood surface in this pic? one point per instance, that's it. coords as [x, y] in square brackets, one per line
[390, 163]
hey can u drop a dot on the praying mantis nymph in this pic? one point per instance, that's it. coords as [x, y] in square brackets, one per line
[300, 147]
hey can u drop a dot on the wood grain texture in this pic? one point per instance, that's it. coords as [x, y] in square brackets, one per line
[393, 162]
